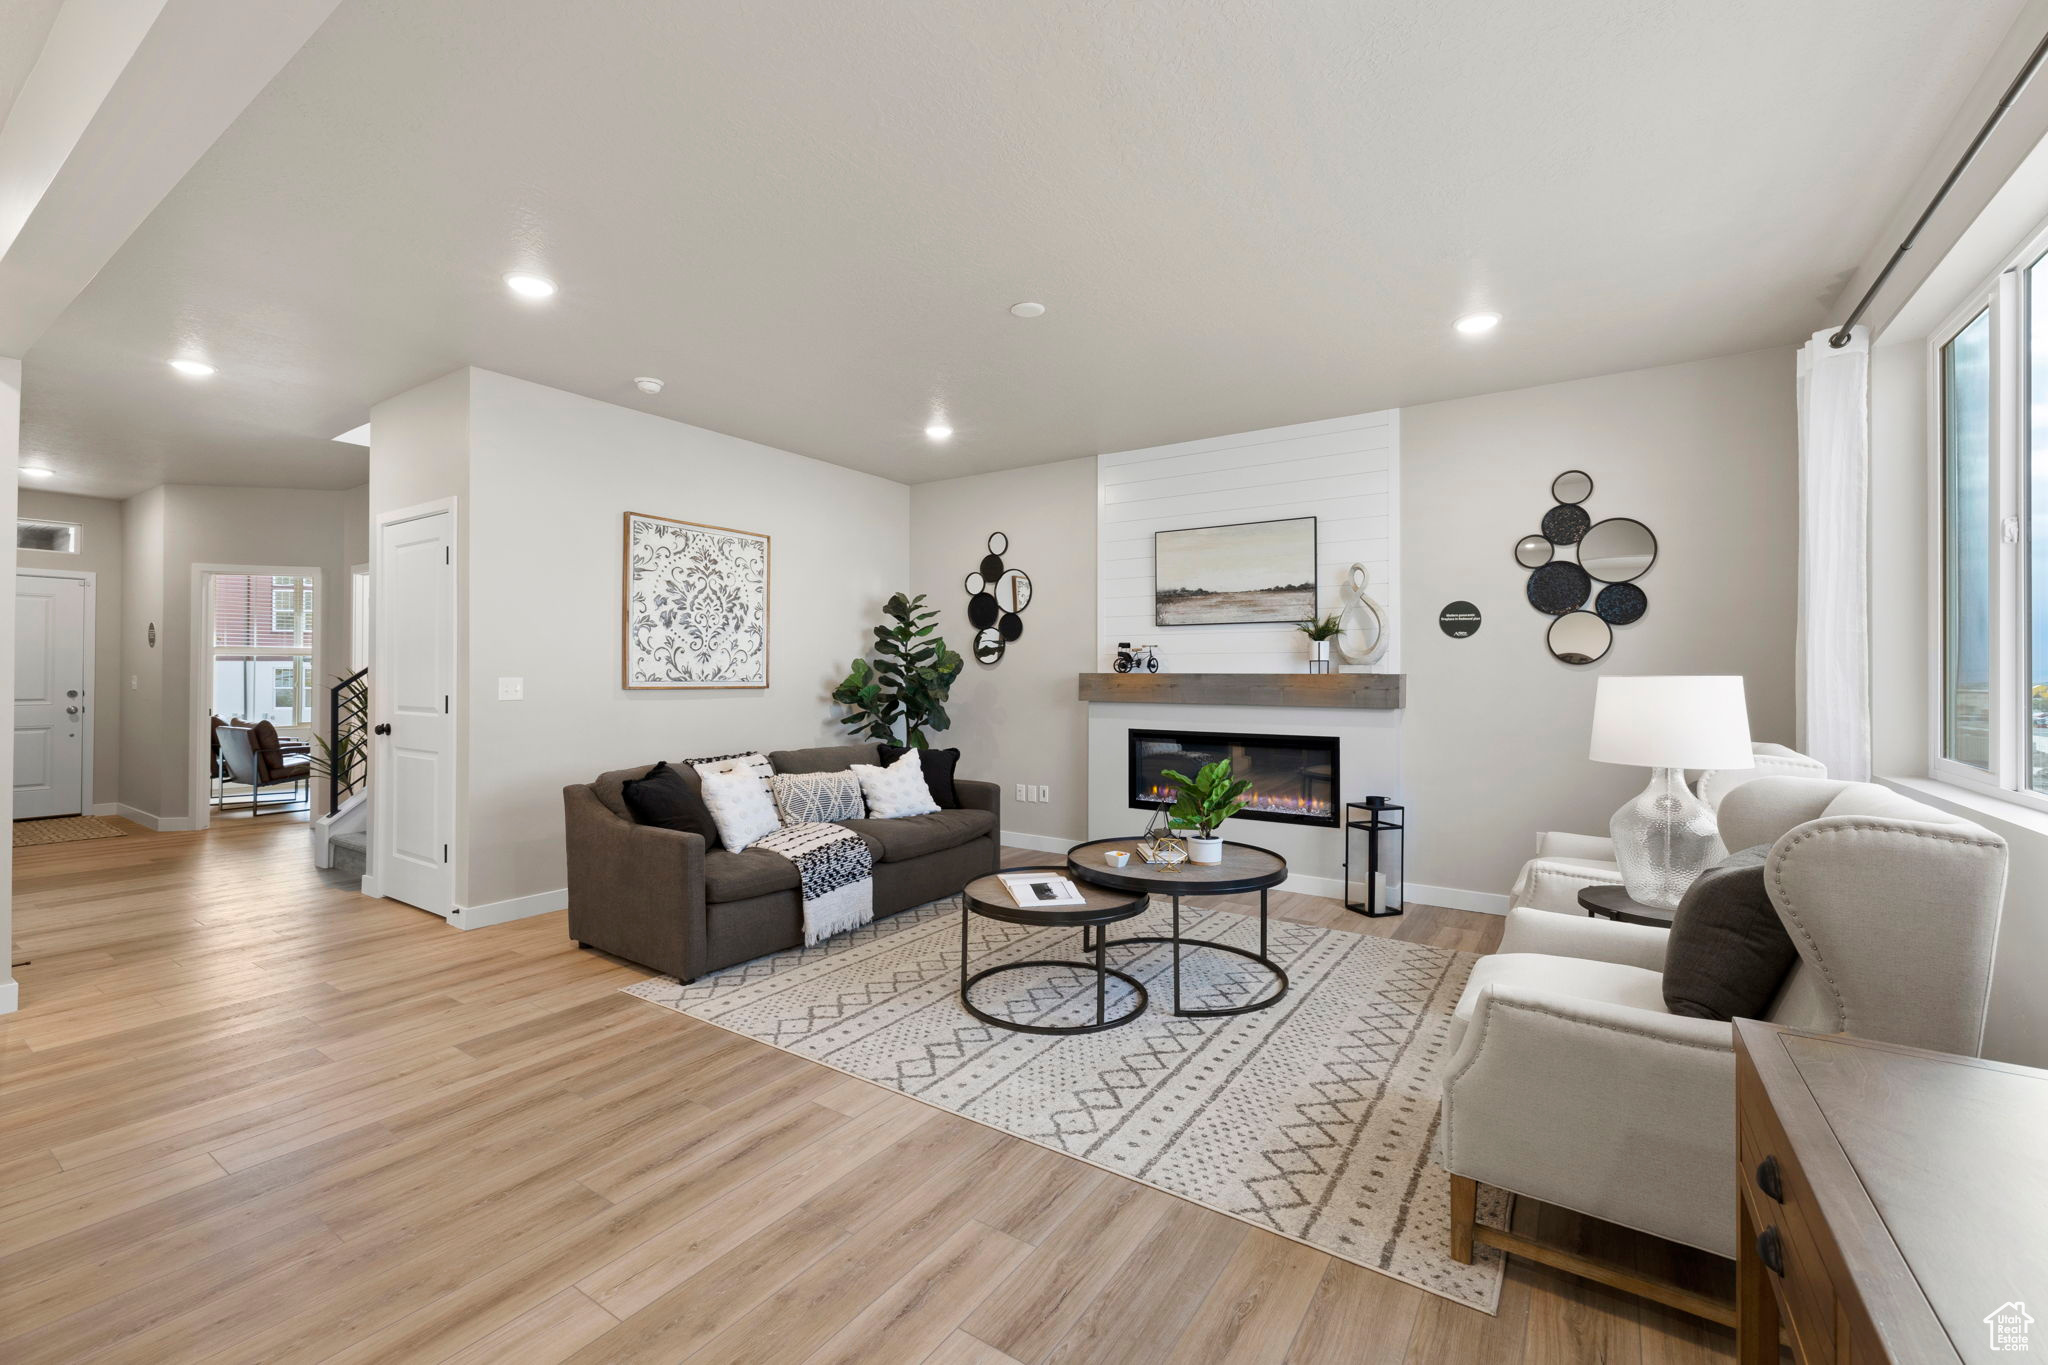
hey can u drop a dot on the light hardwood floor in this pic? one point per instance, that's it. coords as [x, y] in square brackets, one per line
[248, 1115]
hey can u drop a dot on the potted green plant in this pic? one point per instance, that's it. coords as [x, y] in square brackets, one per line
[1319, 633]
[911, 676]
[1202, 803]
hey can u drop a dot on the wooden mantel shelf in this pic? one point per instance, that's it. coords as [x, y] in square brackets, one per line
[1350, 691]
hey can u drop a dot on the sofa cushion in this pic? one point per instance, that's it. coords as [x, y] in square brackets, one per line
[730, 876]
[913, 836]
[938, 765]
[670, 798]
[609, 788]
[1728, 952]
[832, 758]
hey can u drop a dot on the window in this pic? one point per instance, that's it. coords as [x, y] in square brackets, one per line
[60, 537]
[263, 649]
[1991, 517]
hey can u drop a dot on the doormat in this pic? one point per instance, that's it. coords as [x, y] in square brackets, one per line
[64, 829]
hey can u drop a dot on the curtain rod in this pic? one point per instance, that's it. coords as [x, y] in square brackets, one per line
[1841, 338]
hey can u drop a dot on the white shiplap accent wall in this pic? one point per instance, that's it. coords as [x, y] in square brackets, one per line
[1345, 472]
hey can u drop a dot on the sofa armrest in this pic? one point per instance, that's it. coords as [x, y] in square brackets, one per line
[1591, 847]
[1623, 1113]
[635, 891]
[982, 796]
[1554, 884]
[1581, 936]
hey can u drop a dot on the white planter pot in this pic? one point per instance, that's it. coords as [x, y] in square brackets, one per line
[1318, 656]
[1202, 850]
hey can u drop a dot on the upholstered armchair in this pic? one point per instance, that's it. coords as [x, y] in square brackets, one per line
[1566, 864]
[256, 757]
[1572, 1084]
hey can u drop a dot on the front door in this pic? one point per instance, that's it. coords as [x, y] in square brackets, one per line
[412, 687]
[49, 696]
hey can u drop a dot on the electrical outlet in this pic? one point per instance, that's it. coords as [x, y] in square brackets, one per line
[511, 689]
[1022, 792]
[1045, 793]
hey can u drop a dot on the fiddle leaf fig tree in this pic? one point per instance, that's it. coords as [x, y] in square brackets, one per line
[908, 681]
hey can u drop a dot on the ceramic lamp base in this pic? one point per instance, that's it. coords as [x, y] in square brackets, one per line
[1664, 839]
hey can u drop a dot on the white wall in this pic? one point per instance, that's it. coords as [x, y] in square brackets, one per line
[1018, 720]
[143, 753]
[1705, 454]
[1345, 472]
[99, 553]
[10, 457]
[551, 476]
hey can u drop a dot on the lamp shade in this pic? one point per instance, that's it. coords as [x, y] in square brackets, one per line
[1671, 723]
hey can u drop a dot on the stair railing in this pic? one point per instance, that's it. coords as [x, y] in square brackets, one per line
[348, 722]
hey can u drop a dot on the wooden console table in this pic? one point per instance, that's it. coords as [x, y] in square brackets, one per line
[1894, 1202]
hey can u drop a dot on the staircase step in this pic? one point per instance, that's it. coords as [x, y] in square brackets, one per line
[351, 852]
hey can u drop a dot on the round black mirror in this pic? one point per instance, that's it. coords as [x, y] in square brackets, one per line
[1580, 637]
[991, 567]
[1011, 626]
[1565, 523]
[988, 646]
[1531, 552]
[1574, 485]
[1013, 590]
[982, 610]
[1559, 587]
[1618, 550]
[1621, 604]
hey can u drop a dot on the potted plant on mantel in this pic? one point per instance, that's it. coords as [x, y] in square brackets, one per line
[1203, 803]
[1319, 634]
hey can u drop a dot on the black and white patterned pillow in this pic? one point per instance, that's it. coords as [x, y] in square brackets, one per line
[817, 798]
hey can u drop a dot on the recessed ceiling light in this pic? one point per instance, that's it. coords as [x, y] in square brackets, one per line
[192, 369]
[939, 431]
[356, 436]
[530, 286]
[1028, 310]
[647, 383]
[34, 471]
[1477, 324]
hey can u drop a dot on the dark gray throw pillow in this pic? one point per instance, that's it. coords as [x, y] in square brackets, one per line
[1728, 952]
[669, 798]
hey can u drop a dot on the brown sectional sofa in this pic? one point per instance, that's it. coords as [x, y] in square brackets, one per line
[668, 901]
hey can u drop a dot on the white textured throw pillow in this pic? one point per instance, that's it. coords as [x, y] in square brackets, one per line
[755, 763]
[817, 798]
[740, 806]
[897, 790]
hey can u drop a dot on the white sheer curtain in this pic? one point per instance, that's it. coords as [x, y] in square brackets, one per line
[1834, 581]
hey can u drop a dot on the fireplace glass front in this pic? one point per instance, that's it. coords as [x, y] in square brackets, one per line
[1293, 777]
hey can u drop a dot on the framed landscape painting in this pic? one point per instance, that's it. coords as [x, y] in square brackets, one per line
[1251, 573]
[696, 605]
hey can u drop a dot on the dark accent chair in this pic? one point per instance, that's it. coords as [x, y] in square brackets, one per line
[255, 757]
[685, 906]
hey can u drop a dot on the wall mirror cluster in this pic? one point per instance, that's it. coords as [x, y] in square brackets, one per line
[1613, 553]
[996, 597]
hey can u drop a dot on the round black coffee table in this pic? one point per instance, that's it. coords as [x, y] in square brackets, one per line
[1243, 868]
[989, 898]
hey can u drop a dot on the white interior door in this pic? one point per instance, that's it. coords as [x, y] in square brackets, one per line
[412, 690]
[49, 696]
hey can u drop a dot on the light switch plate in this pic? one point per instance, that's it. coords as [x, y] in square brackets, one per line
[1023, 792]
[1045, 793]
[511, 689]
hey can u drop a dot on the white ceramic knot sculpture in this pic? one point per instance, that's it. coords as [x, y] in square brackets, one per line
[1363, 634]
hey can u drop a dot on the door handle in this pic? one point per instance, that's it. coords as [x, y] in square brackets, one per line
[384, 729]
[71, 710]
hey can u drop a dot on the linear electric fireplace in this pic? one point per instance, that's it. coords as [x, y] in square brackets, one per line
[1293, 777]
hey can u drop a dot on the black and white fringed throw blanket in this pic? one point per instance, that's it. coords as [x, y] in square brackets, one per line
[838, 875]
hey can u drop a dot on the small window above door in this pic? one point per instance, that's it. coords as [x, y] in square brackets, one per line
[58, 537]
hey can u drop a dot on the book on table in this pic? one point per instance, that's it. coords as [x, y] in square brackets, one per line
[1030, 889]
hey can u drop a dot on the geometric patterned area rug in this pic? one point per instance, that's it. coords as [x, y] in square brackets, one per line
[64, 829]
[1314, 1119]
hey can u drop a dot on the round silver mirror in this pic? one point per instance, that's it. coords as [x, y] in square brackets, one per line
[1617, 550]
[1580, 637]
[1574, 485]
[988, 646]
[998, 543]
[975, 583]
[1013, 590]
[1532, 552]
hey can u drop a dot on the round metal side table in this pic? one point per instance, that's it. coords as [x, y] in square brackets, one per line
[1243, 868]
[989, 898]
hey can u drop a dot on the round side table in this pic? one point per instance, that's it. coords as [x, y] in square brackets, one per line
[1615, 903]
[989, 898]
[1243, 868]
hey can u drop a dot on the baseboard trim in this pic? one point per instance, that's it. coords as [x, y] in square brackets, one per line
[370, 888]
[10, 996]
[501, 912]
[1452, 898]
[1042, 843]
[162, 824]
[106, 808]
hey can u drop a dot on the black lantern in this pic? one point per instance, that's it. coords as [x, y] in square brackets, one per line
[1378, 818]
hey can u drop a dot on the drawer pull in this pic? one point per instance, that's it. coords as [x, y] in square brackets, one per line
[1770, 1180]
[1770, 1249]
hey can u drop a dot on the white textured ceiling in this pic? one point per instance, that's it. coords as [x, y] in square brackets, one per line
[811, 219]
[24, 27]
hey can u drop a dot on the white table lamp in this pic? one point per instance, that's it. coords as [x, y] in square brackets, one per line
[1666, 837]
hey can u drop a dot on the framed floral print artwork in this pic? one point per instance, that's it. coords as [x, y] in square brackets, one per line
[696, 605]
